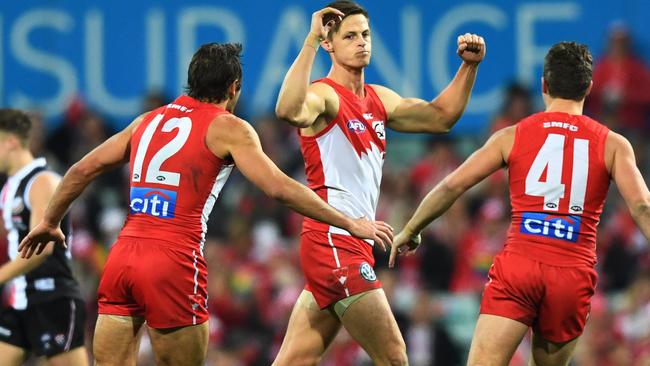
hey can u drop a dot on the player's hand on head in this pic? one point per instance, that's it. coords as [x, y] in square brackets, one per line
[471, 48]
[323, 20]
[403, 244]
[379, 231]
[38, 239]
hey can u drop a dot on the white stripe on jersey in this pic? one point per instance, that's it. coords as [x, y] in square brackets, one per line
[219, 182]
[28, 187]
[19, 284]
[71, 324]
[352, 181]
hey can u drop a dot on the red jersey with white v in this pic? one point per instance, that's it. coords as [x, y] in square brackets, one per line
[175, 178]
[558, 185]
[344, 161]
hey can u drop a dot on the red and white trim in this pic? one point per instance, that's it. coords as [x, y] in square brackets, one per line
[336, 259]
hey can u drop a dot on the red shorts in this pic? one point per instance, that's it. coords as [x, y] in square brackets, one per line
[554, 300]
[336, 266]
[156, 280]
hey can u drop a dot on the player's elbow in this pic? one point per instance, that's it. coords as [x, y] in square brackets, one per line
[276, 190]
[446, 118]
[85, 170]
[285, 112]
[291, 115]
[454, 187]
[640, 210]
[442, 129]
[82, 168]
[278, 193]
[449, 119]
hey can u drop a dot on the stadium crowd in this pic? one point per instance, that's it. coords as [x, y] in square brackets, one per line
[254, 275]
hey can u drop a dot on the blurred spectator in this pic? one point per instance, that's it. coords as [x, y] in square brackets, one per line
[477, 248]
[620, 96]
[439, 160]
[154, 99]
[428, 343]
[517, 104]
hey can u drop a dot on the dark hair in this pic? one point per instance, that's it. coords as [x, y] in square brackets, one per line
[214, 67]
[567, 70]
[346, 7]
[17, 123]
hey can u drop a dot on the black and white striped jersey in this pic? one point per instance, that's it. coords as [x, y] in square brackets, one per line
[53, 278]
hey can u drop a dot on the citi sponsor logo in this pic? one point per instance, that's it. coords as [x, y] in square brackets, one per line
[551, 226]
[356, 126]
[155, 202]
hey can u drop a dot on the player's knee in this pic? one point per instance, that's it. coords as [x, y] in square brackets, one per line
[398, 359]
[395, 354]
[105, 356]
[296, 360]
[103, 359]
[483, 362]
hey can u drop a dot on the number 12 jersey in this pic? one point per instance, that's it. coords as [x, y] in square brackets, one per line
[174, 178]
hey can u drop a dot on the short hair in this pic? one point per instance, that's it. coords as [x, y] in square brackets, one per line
[568, 70]
[347, 7]
[16, 123]
[214, 67]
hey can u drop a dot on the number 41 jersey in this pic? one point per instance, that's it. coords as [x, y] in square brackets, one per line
[558, 185]
[175, 179]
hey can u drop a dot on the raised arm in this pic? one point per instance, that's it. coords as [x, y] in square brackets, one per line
[242, 144]
[440, 114]
[629, 180]
[485, 161]
[300, 103]
[110, 154]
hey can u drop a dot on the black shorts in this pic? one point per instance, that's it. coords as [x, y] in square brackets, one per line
[46, 329]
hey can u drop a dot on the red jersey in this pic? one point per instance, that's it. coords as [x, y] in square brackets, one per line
[558, 185]
[343, 162]
[175, 178]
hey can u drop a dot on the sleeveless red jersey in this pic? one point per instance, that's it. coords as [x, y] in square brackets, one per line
[175, 178]
[343, 162]
[558, 184]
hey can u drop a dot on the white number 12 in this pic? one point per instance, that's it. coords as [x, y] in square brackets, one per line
[154, 174]
[551, 158]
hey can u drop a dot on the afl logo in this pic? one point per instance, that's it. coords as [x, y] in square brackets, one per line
[367, 272]
[576, 208]
[551, 205]
[356, 126]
